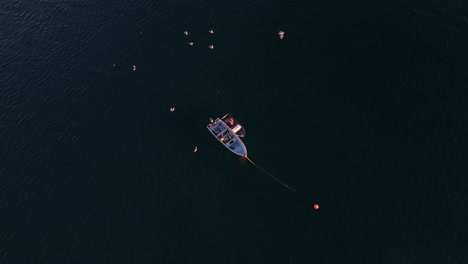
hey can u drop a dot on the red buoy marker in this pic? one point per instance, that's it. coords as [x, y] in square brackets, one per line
[316, 206]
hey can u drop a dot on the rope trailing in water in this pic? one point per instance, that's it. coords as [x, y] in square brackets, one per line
[267, 173]
[315, 206]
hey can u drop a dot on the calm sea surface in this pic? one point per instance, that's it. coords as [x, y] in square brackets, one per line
[362, 107]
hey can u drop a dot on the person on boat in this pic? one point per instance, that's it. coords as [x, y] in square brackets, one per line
[231, 122]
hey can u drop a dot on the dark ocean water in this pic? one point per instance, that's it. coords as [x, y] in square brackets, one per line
[362, 107]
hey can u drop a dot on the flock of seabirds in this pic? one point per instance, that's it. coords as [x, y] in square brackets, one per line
[280, 34]
[211, 31]
[186, 33]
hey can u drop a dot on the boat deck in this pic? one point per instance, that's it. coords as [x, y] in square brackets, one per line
[223, 131]
[234, 125]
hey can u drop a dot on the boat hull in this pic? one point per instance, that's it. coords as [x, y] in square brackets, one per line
[224, 133]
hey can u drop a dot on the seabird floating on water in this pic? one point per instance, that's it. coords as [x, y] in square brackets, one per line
[281, 35]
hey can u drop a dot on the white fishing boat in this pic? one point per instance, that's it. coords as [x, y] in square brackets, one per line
[228, 131]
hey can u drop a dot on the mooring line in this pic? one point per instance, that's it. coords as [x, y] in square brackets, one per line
[269, 174]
